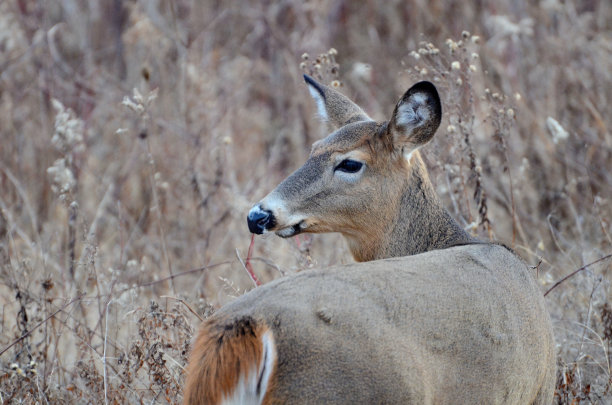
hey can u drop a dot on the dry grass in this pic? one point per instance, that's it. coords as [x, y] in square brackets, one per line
[120, 216]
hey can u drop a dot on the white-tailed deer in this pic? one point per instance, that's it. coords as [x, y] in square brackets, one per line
[455, 321]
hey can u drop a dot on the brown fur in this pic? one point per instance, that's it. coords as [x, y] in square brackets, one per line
[463, 325]
[454, 321]
[224, 351]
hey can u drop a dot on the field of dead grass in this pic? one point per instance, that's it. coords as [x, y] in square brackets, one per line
[134, 137]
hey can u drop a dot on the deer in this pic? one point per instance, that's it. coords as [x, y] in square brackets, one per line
[428, 314]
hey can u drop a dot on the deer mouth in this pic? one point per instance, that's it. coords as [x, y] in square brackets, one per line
[291, 230]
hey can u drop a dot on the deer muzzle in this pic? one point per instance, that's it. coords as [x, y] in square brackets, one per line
[260, 220]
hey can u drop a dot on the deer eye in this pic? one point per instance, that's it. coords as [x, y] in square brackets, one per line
[349, 166]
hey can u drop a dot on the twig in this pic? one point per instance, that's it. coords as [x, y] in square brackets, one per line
[270, 263]
[39, 324]
[175, 275]
[93, 228]
[247, 266]
[182, 301]
[537, 268]
[104, 354]
[158, 208]
[589, 313]
[150, 283]
[73, 212]
[601, 259]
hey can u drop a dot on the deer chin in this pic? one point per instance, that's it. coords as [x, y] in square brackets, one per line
[291, 230]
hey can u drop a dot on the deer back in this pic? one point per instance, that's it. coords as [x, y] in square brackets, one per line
[461, 325]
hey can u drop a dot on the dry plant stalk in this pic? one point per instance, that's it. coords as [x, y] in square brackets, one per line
[530, 87]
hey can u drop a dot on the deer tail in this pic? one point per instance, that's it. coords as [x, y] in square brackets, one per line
[232, 362]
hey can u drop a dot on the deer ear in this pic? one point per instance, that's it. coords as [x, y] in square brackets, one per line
[416, 117]
[333, 107]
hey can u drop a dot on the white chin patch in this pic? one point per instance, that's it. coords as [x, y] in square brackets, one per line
[290, 230]
[286, 232]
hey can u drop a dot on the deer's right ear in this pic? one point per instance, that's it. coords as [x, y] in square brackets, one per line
[332, 106]
[416, 117]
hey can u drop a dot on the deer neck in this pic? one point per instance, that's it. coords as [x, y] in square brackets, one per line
[418, 224]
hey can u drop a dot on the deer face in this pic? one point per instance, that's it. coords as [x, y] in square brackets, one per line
[354, 178]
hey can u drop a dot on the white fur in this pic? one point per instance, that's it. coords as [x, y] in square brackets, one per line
[413, 113]
[408, 154]
[275, 204]
[322, 112]
[245, 392]
[267, 362]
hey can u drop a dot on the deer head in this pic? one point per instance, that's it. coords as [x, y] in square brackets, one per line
[365, 180]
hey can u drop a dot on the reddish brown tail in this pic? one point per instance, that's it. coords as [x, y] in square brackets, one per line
[232, 363]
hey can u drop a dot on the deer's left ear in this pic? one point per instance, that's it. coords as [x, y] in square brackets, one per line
[334, 107]
[416, 117]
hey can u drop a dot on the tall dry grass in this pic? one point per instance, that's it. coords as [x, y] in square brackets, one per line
[135, 136]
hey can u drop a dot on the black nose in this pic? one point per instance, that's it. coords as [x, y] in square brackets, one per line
[259, 220]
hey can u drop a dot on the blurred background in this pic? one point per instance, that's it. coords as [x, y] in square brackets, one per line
[135, 136]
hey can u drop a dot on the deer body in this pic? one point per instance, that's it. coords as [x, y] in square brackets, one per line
[441, 319]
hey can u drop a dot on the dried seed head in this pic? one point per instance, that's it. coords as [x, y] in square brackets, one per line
[557, 132]
[455, 65]
[62, 178]
[68, 129]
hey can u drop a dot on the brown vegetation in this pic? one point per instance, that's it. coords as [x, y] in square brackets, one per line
[136, 135]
